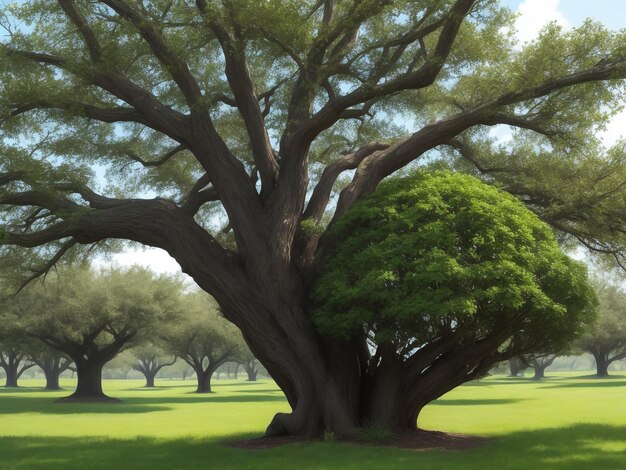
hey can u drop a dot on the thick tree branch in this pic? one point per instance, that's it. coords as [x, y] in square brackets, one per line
[159, 161]
[321, 194]
[153, 112]
[95, 50]
[241, 84]
[373, 170]
[174, 64]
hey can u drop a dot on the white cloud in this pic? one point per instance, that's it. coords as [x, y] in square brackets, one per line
[534, 15]
[154, 258]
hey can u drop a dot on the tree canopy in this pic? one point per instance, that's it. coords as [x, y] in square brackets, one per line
[433, 254]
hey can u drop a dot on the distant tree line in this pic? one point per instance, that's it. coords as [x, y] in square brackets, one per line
[605, 340]
[81, 319]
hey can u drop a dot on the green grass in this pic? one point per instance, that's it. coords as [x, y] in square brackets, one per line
[564, 422]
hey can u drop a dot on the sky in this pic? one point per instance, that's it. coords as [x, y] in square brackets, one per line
[533, 15]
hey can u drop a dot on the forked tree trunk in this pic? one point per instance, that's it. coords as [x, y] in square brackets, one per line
[204, 380]
[13, 367]
[52, 368]
[540, 364]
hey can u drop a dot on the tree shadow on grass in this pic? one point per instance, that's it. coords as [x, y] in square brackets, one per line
[469, 401]
[582, 446]
[594, 382]
[4, 390]
[28, 404]
[17, 404]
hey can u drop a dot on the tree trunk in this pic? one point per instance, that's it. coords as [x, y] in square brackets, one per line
[602, 365]
[539, 373]
[149, 379]
[89, 386]
[52, 378]
[516, 366]
[12, 376]
[204, 381]
[251, 370]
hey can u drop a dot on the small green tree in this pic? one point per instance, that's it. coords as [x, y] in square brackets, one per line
[441, 272]
[92, 316]
[202, 338]
[607, 340]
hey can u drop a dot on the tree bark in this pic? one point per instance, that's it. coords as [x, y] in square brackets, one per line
[204, 381]
[52, 380]
[539, 373]
[251, 370]
[11, 379]
[602, 364]
[89, 385]
[149, 380]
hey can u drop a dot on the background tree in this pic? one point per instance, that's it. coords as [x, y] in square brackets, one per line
[607, 340]
[249, 363]
[517, 366]
[91, 316]
[447, 276]
[253, 112]
[540, 362]
[202, 338]
[149, 359]
[52, 363]
[14, 359]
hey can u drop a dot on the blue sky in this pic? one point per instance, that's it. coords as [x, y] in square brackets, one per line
[610, 12]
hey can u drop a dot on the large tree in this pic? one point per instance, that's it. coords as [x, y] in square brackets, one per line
[607, 341]
[202, 338]
[92, 316]
[253, 112]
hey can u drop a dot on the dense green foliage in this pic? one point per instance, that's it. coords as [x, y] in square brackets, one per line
[567, 422]
[432, 254]
[81, 306]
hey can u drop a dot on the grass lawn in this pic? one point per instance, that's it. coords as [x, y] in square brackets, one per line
[564, 422]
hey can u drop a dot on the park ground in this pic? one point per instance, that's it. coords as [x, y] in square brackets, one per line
[568, 421]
